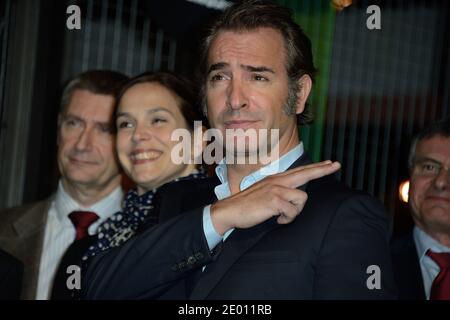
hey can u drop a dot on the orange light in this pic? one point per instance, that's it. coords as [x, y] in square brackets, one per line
[403, 191]
[340, 5]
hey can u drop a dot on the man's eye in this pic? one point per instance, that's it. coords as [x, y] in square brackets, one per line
[259, 77]
[217, 77]
[71, 122]
[429, 168]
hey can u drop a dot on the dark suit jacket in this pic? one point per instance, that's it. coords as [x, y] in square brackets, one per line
[408, 275]
[323, 254]
[11, 272]
[22, 232]
[170, 200]
[71, 257]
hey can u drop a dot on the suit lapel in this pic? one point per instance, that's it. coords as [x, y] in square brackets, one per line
[30, 228]
[417, 274]
[407, 269]
[237, 244]
[302, 161]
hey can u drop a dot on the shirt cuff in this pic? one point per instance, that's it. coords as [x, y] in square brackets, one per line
[212, 237]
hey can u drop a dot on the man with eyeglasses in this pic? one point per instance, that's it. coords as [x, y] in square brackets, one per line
[422, 260]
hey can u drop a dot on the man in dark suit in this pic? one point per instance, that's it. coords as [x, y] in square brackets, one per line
[422, 258]
[11, 271]
[39, 233]
[257, 76]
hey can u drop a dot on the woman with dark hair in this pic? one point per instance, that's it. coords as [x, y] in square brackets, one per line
[149, 108]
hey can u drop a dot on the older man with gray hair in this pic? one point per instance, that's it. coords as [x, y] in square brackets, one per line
[422, 259]
[89, 189]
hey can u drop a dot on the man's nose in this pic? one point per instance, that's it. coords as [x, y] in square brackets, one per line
[85, 140]
[236, 95]
[442, 180]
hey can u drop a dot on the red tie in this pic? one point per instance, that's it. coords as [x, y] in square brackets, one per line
[440, 290]
[82, 220]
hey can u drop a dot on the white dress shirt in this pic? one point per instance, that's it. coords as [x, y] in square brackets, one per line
[429, 268]
[222, 191]
[60, 232]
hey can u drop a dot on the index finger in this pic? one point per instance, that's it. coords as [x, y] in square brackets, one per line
[302, 175]
[300, 168]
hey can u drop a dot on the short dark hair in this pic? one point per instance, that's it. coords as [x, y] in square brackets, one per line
[440, 128]
[96, 81]
[178, 85]
[253, 14]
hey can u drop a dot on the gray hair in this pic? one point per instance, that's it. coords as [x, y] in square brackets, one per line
[96, 81]
[440, 128]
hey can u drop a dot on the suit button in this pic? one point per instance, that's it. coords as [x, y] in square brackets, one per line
[191, 261]
[199, 256]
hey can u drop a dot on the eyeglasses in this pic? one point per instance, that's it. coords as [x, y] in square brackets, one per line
[429, 168]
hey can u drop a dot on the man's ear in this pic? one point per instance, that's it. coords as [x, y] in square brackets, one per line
[304, 89]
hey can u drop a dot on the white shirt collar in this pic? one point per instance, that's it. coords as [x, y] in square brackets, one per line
[424, 242]
[65, 204]
[280, 165]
